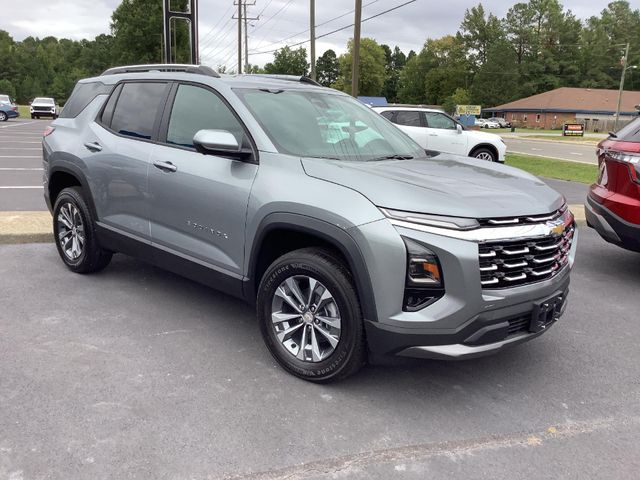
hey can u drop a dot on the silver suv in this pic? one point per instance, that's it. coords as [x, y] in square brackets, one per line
[348, 237]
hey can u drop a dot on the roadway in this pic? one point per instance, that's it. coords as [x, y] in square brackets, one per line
[21, 165]
[138, 373]
[561, 150]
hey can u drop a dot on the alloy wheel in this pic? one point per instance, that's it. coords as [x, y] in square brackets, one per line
[484, 156]
[71, 231]
[305, 318]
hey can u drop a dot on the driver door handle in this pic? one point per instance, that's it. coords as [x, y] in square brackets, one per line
[165, 166]
[93, 146]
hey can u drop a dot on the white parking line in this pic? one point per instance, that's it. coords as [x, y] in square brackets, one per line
[21, 187]
[20, 148]
[536, 149]
[17, 141]
[20, 156]
[18, 124]
[4, 169]
[576, 153]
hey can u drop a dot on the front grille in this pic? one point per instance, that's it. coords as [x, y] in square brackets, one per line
[42, 109]
[519, 324]
[511, 263]
[503, 222]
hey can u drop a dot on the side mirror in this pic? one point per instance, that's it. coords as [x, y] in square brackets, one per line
[459, 128]
[219, 142]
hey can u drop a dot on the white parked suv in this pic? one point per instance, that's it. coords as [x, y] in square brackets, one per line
[435, 130]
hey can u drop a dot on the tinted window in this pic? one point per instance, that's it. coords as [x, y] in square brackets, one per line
[137, 109]
[387, 115]
[439, 120]
[631, 132]
[410, 119]
[107, 113]
[196, 108]
[82, 96]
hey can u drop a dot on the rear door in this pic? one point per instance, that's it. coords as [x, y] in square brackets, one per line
[117, 147]
[443, 135]
[200, 201]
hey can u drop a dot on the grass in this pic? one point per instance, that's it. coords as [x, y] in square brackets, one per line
[23, 110]
[551, 168]
[587, 140]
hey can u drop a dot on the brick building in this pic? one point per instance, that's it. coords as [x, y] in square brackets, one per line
[595, 108]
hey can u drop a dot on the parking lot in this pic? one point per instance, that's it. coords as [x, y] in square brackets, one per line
[21, 165]
[138, 373]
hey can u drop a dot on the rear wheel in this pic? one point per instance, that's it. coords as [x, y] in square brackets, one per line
[75, 235]
[3, 116]
[484, 154]
[310, 317]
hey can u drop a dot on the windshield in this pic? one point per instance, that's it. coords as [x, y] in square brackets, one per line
[326, 125]
[47, 101]
[5, 99]
[631, 132]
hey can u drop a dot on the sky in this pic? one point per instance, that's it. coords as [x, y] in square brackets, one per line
[408, 27]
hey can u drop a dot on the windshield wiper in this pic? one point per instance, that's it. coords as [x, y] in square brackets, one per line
[392, 157]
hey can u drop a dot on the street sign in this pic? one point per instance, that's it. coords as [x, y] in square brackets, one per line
[468, 109]
[573, 130]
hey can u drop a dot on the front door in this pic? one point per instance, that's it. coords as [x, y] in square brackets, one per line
[443, 135]
[199, 202]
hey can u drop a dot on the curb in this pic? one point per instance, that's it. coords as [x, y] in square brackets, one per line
[25, 227]
[36, 227]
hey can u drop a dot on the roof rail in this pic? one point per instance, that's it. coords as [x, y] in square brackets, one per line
[163, 67]
[289, 78]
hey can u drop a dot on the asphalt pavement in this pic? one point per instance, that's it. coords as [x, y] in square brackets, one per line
[138, 373]
[21, 165]
[561, 150]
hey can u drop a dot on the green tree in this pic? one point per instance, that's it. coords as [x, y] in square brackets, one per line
[460, 97]
[7, 88]
[327, 68]
[498, 80]
[288, 62]
[396, 61]
[372, 68]
[478, 32]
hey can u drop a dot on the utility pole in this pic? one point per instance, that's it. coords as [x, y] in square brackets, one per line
[625, 59]
[246, 35]
[312, 15]
[239, 36]
[355, 68]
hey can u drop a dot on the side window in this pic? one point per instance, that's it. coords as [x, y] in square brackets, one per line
[388, 114]
[137, 109]
[82, 95]
[438, 120]
[196, 108]
[408, 118]
[107, 113]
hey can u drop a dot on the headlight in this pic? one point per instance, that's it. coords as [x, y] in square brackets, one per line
[424, 283]
[53, 110]
[454, 223]
[31, 109]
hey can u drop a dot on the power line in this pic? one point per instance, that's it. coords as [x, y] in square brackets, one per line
[226, 28]
[213, 48]
[320, 24]
[217, 23]
[339, 29]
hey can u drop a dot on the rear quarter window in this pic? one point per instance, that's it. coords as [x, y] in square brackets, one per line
[630, 132]
[82, 95]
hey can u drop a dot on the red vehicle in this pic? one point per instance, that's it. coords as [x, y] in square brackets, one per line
[613, 203]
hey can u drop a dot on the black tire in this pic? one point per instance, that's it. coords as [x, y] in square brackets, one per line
[55, 116]
[92, 258]
[3, 117]
[350, 352]
[480, 152]
[33, 116]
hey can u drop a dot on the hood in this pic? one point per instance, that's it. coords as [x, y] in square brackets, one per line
[442, 185]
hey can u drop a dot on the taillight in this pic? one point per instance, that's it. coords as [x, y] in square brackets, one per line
[48, 131]
[633, 159]
[15, 109]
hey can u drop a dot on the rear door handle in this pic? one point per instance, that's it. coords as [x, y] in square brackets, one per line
[165, 166]
[94, 147]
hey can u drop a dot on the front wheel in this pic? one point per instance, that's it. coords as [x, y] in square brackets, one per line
[484, 154]
[75, 233]
[310, 316]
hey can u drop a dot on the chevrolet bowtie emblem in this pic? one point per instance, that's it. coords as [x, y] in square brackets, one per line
[556, 228]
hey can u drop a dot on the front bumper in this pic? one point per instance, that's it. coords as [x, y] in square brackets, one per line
[611, 227]
[468, 321]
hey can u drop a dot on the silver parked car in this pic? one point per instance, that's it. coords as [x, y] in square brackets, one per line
[346, 235]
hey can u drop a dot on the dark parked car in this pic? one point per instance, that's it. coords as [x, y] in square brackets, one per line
[8, 111]
[613, 203]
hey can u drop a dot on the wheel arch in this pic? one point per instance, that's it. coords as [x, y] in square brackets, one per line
[488, 146]
[279, 233]
[68, 175]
